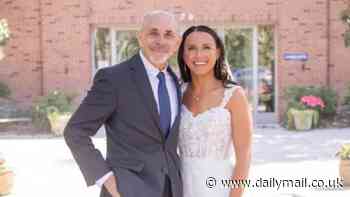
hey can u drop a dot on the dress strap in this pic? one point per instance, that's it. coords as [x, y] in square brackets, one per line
[228, 92]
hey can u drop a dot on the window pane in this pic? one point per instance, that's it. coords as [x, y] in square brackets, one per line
[126, 45]
[238, 46]
[102, 48]
[266, 69]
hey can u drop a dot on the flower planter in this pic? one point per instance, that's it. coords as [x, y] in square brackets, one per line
[58, 122]
[344, 171]
[6, 183]
[304, 115]
[303, 119]
[6, 178]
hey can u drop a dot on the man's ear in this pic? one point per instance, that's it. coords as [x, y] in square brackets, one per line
[178, 41]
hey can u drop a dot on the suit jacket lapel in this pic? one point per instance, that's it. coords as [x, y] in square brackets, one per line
[142, 82]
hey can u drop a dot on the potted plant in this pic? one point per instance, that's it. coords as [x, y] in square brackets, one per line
[53, 111]
[324, 103]
[305, 114]
[58, 120]
[4, 36]
[344, 166]
[6, 178]
[345, 17]
[302, 119]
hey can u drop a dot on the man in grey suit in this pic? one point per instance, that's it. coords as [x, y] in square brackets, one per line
[138, 101]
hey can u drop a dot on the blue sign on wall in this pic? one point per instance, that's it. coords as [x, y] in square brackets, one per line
[297, 56]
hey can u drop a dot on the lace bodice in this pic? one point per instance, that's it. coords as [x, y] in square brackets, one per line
[207, 135]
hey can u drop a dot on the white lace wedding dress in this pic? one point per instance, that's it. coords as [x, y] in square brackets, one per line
[206, 150]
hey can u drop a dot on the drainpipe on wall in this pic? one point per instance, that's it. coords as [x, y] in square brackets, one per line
[328, 74]
[41, 61]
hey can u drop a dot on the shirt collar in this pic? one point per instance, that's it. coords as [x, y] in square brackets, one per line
[150, 69]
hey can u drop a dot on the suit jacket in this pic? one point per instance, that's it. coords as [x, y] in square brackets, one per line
[140, 156]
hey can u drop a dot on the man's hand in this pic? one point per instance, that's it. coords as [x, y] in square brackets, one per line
[111, 186]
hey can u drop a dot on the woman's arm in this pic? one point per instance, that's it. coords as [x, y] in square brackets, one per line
[242, 128]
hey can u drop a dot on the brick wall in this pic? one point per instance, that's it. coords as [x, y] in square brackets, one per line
[302, 27]
[66, 45]
[339, 55]
[21, 69]
[61, 45]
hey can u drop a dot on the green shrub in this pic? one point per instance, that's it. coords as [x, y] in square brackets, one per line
[328, 95]
[293, 94]
[4, 90]
[347, 95]
[55, 102]
[4, 168]
[344, 152]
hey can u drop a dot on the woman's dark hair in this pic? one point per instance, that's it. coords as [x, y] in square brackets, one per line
[220, 71]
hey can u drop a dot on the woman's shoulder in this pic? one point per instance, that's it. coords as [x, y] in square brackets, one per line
[231, 87]
[234, 91]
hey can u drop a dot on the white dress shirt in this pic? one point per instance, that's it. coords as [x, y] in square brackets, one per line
[152, 73]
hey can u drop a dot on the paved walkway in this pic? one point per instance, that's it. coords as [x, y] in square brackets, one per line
[44, 166]
[283, 154]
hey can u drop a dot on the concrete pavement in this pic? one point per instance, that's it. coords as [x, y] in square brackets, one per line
[44, 166]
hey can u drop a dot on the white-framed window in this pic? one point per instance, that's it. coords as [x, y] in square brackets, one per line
[111, 46]
[243, 46]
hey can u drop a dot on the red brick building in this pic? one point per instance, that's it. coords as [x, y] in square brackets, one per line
[53, 42]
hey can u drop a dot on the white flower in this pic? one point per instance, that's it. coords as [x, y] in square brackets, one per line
[4, 31]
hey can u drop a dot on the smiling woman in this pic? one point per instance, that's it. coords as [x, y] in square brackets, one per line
[201, 52]
[216, 125]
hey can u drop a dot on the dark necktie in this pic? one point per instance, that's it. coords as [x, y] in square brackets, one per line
[164, 105]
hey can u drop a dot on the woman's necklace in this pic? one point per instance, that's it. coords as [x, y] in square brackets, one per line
[196, 98]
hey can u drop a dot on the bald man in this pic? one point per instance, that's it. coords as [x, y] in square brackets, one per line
[138, 101]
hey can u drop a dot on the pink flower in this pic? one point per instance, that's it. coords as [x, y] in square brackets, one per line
[312, 101]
